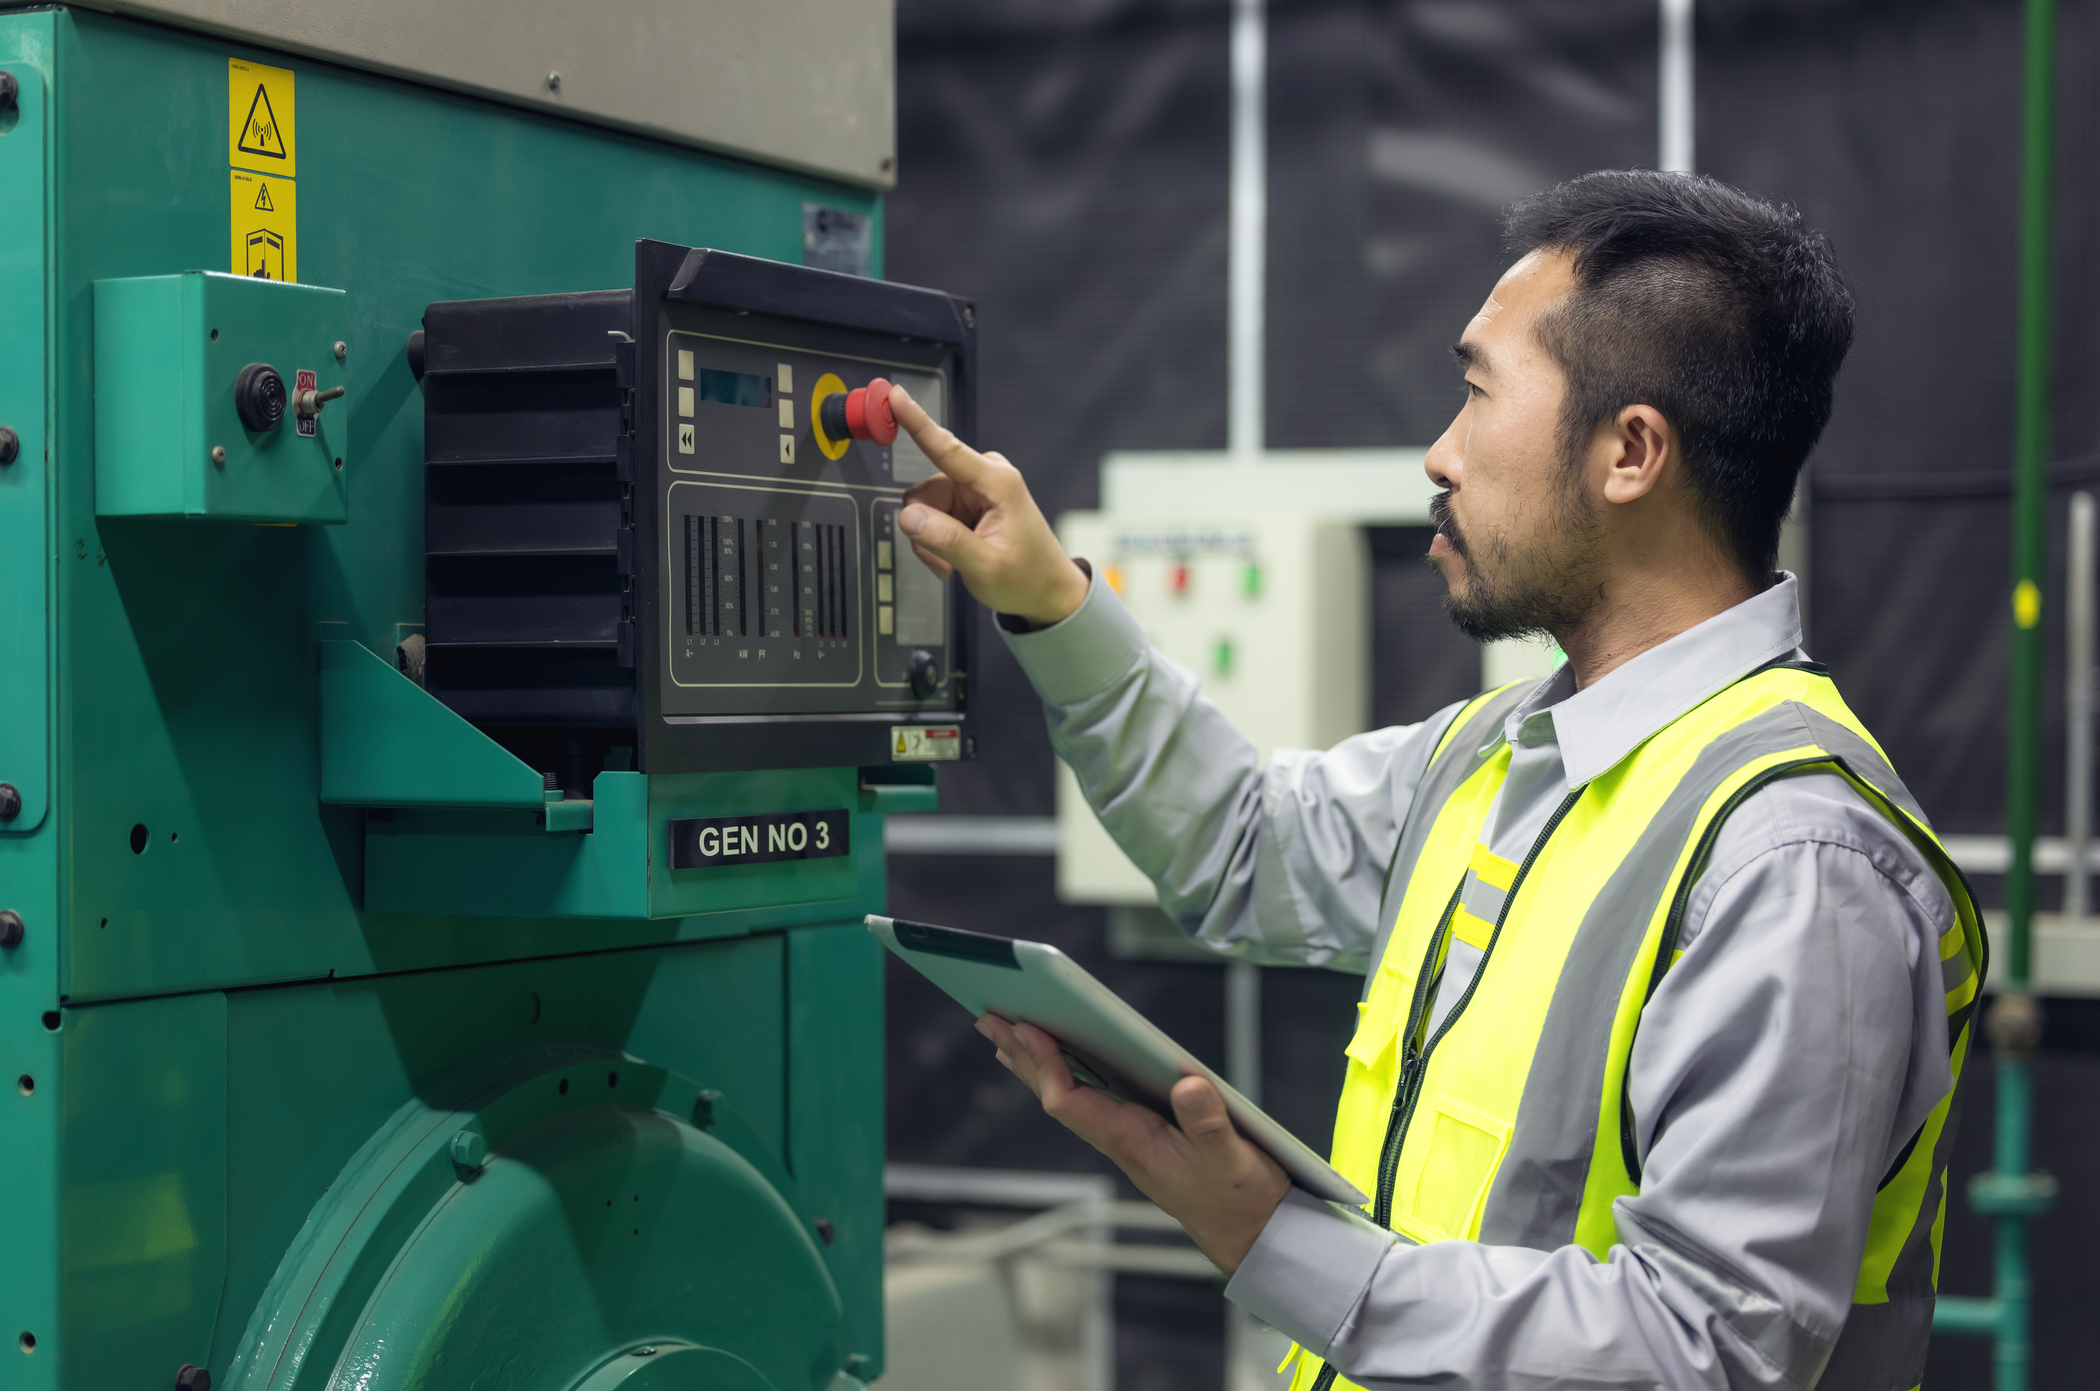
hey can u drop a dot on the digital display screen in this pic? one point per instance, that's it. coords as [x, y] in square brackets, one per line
[735, 388]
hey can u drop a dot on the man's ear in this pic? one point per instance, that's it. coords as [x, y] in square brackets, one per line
[1639, 446]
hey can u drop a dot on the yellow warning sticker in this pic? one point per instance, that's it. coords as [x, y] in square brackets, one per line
[265, 226]
[262, 127]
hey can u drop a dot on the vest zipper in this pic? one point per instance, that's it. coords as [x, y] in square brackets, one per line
[1416, 1065]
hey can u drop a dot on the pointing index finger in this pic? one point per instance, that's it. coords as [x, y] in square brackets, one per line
[949, 454]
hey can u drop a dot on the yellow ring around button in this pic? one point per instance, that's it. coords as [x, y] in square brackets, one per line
[827, 385]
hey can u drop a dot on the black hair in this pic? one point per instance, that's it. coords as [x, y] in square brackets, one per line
[1720, 310]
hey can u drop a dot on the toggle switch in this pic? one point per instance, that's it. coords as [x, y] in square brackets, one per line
[310, 401]
[862, 413]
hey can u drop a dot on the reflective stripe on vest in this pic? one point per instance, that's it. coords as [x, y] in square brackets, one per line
[1510, 1124]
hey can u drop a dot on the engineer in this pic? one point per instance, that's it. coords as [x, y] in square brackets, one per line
[1668, 981]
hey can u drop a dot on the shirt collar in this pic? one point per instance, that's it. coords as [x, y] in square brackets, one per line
[1598, 727]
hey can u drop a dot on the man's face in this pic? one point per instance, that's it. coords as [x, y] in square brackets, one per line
[1518, 534]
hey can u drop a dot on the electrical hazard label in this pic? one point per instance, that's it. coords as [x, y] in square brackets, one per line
[925, 743]
[262, 148]
[262, 126]
[265, 220]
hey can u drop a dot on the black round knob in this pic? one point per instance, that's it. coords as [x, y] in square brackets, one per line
[10, 928]
[831, 411]
[925, 671]
[10, 445]
[260, 397]
[10, 802]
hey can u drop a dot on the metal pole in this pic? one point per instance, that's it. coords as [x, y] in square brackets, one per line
[2012, 1194]
[2078, 709]
[2030, 483]
[1246, 433]
[1674, 153]
[1247, 257]
[2015, 1024]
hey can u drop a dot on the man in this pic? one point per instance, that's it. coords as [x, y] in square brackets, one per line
[1668, 979]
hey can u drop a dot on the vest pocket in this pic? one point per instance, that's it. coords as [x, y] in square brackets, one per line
[1465, 1149]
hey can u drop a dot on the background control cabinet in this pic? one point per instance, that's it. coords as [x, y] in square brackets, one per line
[645, 531]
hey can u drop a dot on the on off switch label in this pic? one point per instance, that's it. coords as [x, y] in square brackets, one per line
[704, 842]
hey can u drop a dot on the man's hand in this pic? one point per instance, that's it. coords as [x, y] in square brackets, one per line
[1205, 1174]
[975, 519]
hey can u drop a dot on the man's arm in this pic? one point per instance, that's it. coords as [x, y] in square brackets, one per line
[1276, 862]
[1781, 1066]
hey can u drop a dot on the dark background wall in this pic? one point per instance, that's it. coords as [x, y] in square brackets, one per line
[1064, 161]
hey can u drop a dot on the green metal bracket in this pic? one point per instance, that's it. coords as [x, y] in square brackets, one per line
[387, 742]
[1960, 1314]
[169, 439]
[2012, 1195]
[905, 787]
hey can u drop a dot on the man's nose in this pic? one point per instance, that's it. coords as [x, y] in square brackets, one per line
[1444, 464]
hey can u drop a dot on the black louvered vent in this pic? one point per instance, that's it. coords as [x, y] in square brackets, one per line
[527, 523]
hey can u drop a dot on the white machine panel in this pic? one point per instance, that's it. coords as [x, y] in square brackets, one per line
[1270, 612]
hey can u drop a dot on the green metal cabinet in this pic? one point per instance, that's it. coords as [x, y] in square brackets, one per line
[258, 1122]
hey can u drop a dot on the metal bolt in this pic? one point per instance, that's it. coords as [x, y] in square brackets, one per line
[470, 1150]
[342, 350]
[10, 802]
[218, 453]
[10, 445]
[554, 82]
[10, 928]
[192, 1378]
[704, 1108]
[825, 1229]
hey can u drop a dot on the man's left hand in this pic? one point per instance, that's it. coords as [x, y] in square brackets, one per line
[1203, 1173]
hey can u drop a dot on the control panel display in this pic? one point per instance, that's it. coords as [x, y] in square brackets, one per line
[660, 522]
[782, 577]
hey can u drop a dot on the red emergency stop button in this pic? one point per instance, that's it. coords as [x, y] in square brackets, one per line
[868, 415]
[862, 413]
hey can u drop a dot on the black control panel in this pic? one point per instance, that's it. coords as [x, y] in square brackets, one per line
[665, 518]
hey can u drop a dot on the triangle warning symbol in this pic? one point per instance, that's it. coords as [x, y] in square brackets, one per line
[259, 136]
[262, 200]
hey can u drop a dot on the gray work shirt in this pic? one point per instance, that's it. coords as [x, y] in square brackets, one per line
[1779, 1069]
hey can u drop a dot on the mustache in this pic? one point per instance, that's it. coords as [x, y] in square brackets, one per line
[1440, 514]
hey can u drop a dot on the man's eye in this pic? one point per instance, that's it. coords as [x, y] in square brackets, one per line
[1472, 391]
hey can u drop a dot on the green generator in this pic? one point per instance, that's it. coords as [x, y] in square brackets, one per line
[457, 661]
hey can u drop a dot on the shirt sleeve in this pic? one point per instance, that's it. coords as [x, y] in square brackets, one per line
[1278, 861]
[1780, 1068]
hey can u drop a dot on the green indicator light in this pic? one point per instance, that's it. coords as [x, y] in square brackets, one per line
[1221, 656]
[1250, 580]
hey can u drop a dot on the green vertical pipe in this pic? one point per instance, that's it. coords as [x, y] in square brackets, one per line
[2010, 1349]
[2011, 1289]
[2030, 481]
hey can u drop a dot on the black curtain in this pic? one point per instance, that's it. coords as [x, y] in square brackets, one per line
[1065, 162]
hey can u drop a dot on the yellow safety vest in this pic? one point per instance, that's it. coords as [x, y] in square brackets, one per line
[1510, 1123]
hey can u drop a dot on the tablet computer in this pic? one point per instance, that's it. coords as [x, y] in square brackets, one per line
[1109, 1045]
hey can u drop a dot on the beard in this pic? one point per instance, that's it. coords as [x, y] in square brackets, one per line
[1543, 586]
